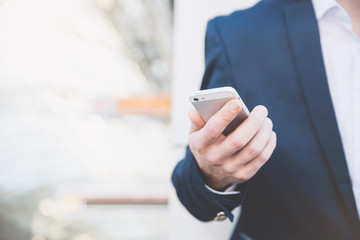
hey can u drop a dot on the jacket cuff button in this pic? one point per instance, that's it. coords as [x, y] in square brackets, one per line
[220, 216]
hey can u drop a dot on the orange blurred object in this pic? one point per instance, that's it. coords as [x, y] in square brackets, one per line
[152, 105]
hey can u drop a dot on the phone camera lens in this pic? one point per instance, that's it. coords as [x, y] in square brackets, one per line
[196, 99]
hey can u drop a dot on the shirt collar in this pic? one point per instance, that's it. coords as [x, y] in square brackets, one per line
[323, 6]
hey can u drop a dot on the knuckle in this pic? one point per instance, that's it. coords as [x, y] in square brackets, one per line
[237, 143]
[274, 137]
[232, 108]
[228, 116]
[263, 158]
[253, 150]
[242, 176]
[229, 169]
[258, 120]
[212, 130]
[213, 159]
[196, 147]
[257, 165]
[273, 144]
[199, 149]
[273, 141]
[269, 122]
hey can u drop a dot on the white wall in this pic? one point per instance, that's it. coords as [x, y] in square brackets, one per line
[188, 66]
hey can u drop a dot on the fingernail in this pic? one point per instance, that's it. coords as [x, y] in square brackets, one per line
[234, 107]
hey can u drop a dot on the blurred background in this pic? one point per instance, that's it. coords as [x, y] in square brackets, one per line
[84, 119]
[93, 102]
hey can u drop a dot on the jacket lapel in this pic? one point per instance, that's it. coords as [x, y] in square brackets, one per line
[304, 38]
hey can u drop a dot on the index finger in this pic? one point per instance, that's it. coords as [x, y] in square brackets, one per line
[246, 131]
[219, 121]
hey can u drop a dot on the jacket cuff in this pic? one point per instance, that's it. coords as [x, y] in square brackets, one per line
[201, 202]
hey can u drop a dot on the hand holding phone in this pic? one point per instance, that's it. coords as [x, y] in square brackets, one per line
[208, 102]
[235, 158]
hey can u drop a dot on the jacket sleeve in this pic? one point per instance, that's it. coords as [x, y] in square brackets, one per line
[186, 177]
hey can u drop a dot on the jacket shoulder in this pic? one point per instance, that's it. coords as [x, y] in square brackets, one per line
[260, 16]
[262, 24]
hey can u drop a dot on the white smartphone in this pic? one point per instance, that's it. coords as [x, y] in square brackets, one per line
[210, 101]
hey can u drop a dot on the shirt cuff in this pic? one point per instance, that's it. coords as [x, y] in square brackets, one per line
[228, 191]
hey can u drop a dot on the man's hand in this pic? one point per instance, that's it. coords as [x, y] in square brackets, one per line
[235, 158]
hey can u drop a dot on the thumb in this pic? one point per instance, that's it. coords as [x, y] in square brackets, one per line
[196, 121]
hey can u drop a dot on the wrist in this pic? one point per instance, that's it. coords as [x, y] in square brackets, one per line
[215, 184]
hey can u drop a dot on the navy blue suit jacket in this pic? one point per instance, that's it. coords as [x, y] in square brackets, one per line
[271, 54]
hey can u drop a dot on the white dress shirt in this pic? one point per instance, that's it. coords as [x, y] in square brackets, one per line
[341, 54]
